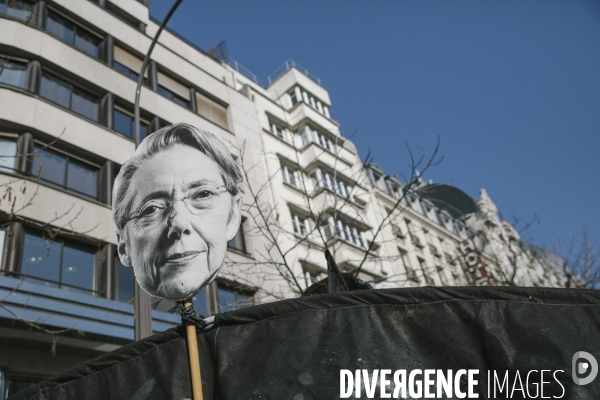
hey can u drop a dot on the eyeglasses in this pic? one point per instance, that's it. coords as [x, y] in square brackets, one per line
[157, 210]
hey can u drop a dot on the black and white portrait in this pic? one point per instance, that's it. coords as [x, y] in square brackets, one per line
[176, 204]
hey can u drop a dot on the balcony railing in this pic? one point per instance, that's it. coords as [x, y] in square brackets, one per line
[265, 83]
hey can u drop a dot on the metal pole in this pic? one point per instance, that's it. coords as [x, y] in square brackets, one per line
[142, 305]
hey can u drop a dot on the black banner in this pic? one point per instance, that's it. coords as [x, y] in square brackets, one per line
[488, 342]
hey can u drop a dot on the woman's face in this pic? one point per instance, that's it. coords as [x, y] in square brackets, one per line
[182, 217]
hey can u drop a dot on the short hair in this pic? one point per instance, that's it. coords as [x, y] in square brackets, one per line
[163, 139]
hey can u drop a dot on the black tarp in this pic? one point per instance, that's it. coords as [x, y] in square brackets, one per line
[295, 349]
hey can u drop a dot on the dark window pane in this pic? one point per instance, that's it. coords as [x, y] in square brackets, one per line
[226, 300]
[199, 301]
[20, 9]
[17, 385]
[41, 259]
[238, 242]
[85, 105]
[126, 70]
[175, 97]
[54, 166]
[60, 27]
[12, 73]
[162, 304]
[126, 287]
[56, 90]
[123, 123]
[143, 130]
[77, 270]
[8, 150]
[87, 43]
[81, 178]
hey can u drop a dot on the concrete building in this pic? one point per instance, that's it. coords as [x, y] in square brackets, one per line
[68, 72]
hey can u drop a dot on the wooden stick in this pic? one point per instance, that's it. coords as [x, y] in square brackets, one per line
[193, 355]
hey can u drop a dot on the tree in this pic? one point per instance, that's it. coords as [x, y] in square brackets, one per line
[330, 212]
[579, 260]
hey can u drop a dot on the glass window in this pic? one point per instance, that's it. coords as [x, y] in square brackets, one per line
[85, 104]
[300, 225]
[232, 299]
[64, 94]
[87, 42]
[125, 123]
[41, 261]
[175, 97]
[52, 165]
[289, 175]
[162, 304]
[129, 72]
[77, 272]
[211, 110]
[60, 27]
[65, 171]
[8, 151]
[128, 64]
[58, 264]
[56, 90]
[73, 34]
[277, 130]
[199, 301]
[16, 385]
[238, 242]
[81, 178]
[20, 9]
[125, 283]
[12, 73]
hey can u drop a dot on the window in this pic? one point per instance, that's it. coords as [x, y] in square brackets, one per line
[230, 299]
[69, 96]
[346, 231]
[12, 73]
[174, 90]
[300, 225]
[423, 265]
[325, 179]
[290, 175]
[124, 122]
[8, 151]
[125, 283]
[297, 95]
[65, 171]
[211, 110]
[128, 64]
[199, 302]
[277, 130]
[58, 264]
[309, 135]
[238, 242]
[73, 34]
[17, 383]
[311, 277]
[20, 9]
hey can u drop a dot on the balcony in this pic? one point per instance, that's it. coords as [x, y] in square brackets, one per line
[398, 231]
[434, 250]
[314, 152]
[325, 201]
[416, 241]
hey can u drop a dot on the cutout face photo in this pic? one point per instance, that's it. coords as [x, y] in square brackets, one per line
[177, 216]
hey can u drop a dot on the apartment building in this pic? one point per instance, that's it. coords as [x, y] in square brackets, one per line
[68, 73]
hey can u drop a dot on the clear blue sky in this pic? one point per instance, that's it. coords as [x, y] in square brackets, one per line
[511, 87]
